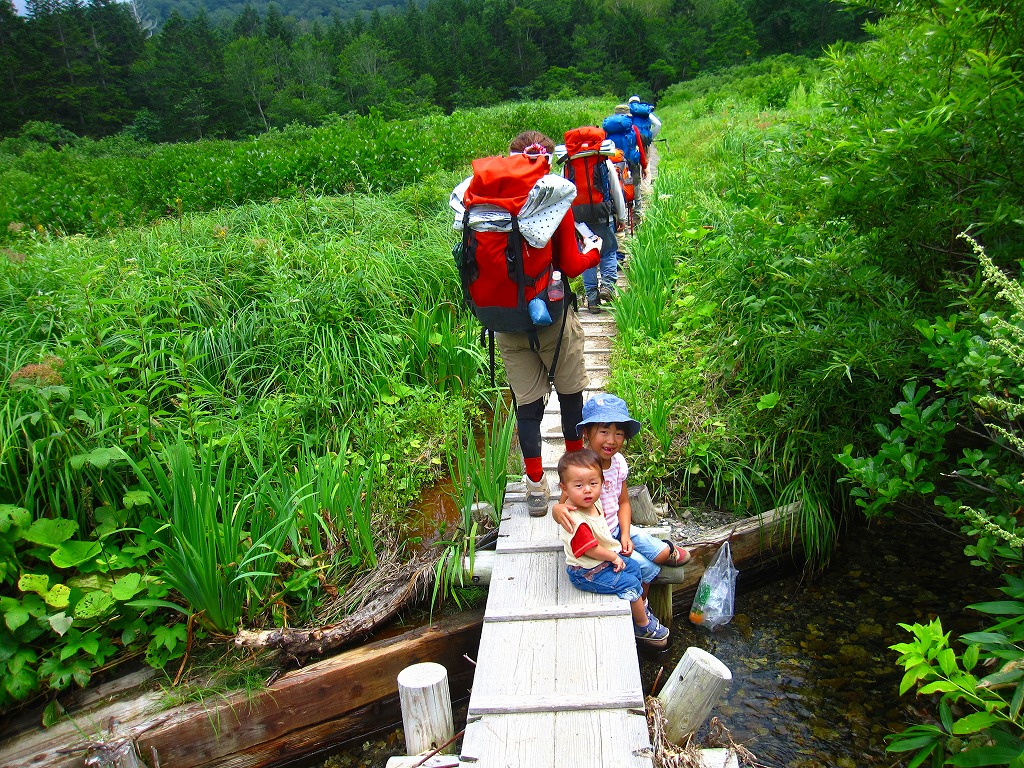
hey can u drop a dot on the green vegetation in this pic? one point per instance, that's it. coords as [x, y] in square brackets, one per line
[97, 186]
[805, 323]
[812, 327]
[226, 415]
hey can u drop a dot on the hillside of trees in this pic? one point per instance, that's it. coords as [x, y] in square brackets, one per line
[99, 68]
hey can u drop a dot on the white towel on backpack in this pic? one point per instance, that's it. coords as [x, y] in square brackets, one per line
[543, 211]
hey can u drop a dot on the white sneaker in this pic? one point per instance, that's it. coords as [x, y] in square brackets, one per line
[537, 496]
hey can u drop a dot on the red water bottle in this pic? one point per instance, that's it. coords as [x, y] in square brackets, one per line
[556, 290]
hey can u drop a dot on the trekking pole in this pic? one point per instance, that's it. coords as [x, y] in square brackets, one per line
[663, 141]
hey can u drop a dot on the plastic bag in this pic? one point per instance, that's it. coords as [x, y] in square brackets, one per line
[713, 604]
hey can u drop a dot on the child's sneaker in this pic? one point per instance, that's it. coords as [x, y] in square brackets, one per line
[655, 632]
[537, 496]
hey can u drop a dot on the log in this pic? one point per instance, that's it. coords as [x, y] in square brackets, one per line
[483, 565]
[426, 707]
[695, 686]
[389, 598]
[644, 511]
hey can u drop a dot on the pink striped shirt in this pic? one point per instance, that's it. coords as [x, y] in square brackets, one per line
[614, 479]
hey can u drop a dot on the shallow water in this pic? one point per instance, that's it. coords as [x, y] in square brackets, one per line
[814, 682]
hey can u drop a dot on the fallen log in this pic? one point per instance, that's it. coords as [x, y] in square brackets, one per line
[392, 594]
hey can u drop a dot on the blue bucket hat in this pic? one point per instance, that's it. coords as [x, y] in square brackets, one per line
[603, 408]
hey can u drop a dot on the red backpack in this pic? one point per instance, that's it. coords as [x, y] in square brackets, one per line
[586, 168]
[500, 271]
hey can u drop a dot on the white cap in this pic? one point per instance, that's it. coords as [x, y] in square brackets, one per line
[632, 99]
[556, 275]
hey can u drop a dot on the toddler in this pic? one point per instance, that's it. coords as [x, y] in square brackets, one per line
[606, 426]
[592, 554]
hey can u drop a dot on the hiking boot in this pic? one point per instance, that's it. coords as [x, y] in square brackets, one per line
[655, 633]
[537, 496]
[605, 294]
[594, 302]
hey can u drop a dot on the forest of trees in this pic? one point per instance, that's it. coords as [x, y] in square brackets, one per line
[96, 68]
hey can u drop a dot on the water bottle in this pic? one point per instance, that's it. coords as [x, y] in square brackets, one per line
[556, 290]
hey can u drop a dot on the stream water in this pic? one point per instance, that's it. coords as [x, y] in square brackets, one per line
[814, 682]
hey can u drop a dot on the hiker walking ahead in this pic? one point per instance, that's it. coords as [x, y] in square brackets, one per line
[599, 204]
[626, 138]
[517, 231]
[644, 119]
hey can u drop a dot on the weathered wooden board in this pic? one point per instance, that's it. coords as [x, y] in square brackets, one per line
[297, 713]
[562, 656]
[559, 739]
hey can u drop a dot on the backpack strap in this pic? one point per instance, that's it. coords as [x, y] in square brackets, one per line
[558, 344]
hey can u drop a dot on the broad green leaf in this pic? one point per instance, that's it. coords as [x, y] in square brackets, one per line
[21, 683]
[947, 661]
[136, 499]
[72, 553]
[126, 587]
[769, 401]
[939, 686]
[13, 517]
[93, 605]
[98, 457]
[15, 616]
[34, 582]
[59, 596]
[973, 723]
[51, 532]
[970, 657]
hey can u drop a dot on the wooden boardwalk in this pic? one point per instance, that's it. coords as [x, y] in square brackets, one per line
[557, 680]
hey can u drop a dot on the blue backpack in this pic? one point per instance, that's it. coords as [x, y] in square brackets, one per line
[641, 114]
[619, 128]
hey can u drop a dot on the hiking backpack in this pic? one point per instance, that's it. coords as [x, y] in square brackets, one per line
[587, 169]
[641, 116]
[619, 129]
[507, 211]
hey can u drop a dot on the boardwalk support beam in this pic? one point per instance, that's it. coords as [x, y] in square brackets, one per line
[697, 683]
[426, 707]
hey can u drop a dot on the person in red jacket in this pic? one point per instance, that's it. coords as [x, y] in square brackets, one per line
[527, 368]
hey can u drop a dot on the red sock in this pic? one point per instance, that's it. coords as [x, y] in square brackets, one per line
[573, 445]
[534, 468]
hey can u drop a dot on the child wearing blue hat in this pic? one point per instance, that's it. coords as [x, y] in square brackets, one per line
[606, 426]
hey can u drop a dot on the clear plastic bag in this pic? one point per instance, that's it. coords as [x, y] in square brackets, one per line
[713, 604]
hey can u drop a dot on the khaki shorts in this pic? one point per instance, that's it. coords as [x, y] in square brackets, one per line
[527, 371]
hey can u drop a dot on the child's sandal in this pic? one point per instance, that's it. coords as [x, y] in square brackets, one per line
[676, 555]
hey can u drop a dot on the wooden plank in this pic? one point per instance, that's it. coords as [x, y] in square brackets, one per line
[512, 740]
[561, 702]
[504, 546]
[206, 733]
[522, 579]
[516, 658]
[590, 739]
[560, 612]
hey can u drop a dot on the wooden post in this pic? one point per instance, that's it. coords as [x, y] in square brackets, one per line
[483, 566]
[426, 707]
[117, 753]
[696, 685]
[659, 600]
[642, 505]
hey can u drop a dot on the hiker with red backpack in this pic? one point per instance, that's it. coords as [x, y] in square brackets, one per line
[519, 243]
[626, 138]
[599, 204]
